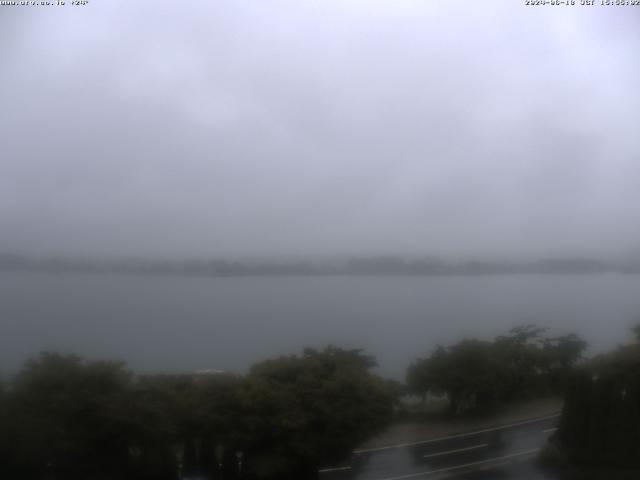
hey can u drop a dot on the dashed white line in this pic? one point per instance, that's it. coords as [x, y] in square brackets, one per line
[464, 465]
[457, 450]
[550, 430]
[334, 469]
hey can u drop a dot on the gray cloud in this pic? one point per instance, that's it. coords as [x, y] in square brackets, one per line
[277, 128]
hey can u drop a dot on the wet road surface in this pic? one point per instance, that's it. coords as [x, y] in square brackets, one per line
[504, 452]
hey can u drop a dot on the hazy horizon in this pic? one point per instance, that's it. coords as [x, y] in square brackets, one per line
[319, 260]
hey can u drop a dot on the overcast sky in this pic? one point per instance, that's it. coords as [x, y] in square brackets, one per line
[236, 128]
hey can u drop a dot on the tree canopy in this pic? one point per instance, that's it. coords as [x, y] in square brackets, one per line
[474, 374]
[63, 417]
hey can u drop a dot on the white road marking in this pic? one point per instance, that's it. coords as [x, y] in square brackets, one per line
[460, 435]
[464, 465]
[334, 469]
[457, 450]
[550, 430]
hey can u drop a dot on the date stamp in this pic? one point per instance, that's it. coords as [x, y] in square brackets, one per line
[583, 3]
[44, 3]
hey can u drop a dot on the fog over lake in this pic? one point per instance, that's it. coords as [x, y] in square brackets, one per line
[303, 130]
[182, 324]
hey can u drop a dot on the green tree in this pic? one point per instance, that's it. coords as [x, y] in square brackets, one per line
[519, 354]
[65, 417]
[465, 371]
[600, 423]
[5, 441]
[303, 411]
[69, 416]
[474, 374]
[636, 332]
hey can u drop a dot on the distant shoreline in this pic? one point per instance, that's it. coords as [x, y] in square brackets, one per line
[356, 266]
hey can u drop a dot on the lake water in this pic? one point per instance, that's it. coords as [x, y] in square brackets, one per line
[186, 323]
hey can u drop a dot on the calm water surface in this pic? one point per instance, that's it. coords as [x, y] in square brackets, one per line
[187, 323]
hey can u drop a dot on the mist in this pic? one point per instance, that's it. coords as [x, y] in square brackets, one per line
[315, 129]
[319, 240]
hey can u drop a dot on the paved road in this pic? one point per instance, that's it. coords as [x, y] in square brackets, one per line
[505, 452]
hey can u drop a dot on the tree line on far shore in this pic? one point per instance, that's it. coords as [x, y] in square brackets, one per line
[372, 265]
[63, 417]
